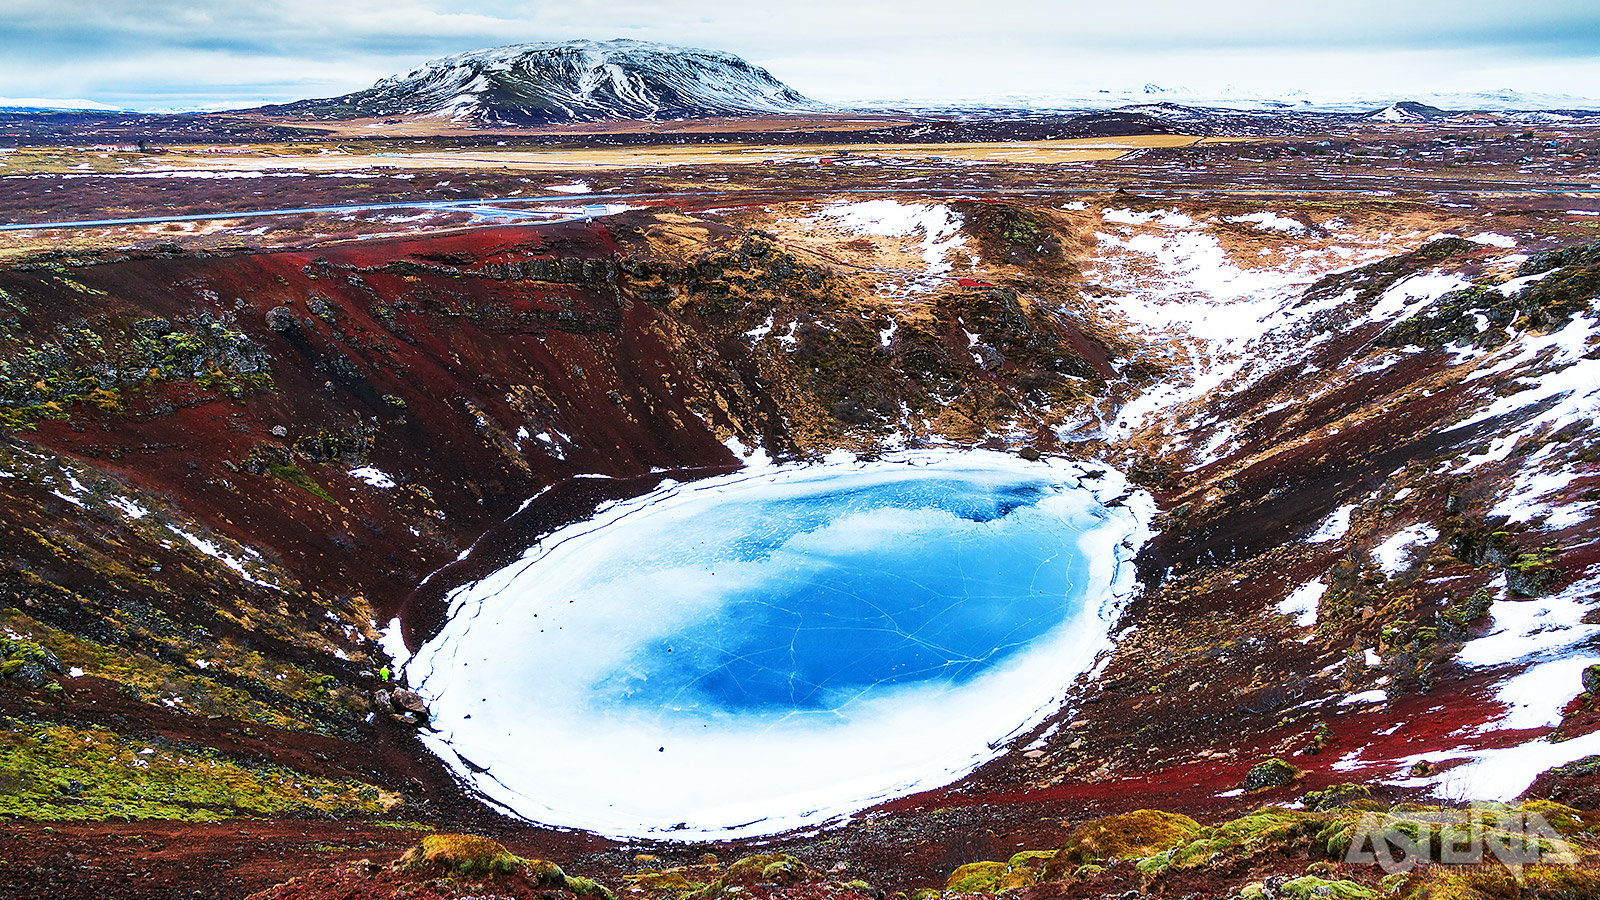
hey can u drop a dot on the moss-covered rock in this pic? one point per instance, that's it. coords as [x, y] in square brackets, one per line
[545, 873]
[1567, 822]
[769, 868]
[1550, 303]
[1133, 835]
[1430, 830]
[674, 880]
[1340, 796]
[27, 665]
[459, 854]
[1268, 829]
[21, 650]
[1270, 773]
[1531, 573]
[976, 878]
[1087, 872]
[1308, 887]
[99, 361]
[588, 887]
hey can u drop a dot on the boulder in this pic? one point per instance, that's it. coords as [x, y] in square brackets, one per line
[1270, 773]
[408, 701]
[1591, 679]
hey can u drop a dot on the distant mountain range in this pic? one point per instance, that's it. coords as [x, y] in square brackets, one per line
[1151, 96]
[572, 81]
[40, 104]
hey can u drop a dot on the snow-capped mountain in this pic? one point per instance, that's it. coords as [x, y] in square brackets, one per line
[569, 81]
[1407, 111]
[39, 104]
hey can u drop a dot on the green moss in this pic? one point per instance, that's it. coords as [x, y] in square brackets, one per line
[1087, 872]
[1532, 572]
[1131, 835]
[976, 878]
[458, 854]
[1270, 773]
[403, 824]
[297, 477]
[1264, 830]
[1460, 616]
[1030, 858]
[15, 649]
[1535, 883]
[98, 362]
[195, 690]
[781, 870]
[588, 887]
[674, 880]
[1339, 796]
[777, 868]
[1567, 822]
[545, 873]
[59, 772]
[1431, 829]
[1310, 887]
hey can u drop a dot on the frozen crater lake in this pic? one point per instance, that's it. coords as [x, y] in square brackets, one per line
[779, 647]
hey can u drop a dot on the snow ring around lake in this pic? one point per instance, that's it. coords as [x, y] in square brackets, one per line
[781, 647]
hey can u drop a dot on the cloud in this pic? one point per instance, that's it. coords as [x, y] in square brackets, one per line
[171, 52]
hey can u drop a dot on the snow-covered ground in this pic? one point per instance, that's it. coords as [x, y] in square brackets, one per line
[1395, 553]
[575, 187]
[1174, 282]
[938, 225]
[1544, 639]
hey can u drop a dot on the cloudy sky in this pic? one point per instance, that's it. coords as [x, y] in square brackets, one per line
[155, 54]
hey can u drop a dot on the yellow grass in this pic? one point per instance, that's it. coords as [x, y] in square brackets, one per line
[317, 158]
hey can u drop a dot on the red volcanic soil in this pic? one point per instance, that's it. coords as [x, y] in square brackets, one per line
[412, 340]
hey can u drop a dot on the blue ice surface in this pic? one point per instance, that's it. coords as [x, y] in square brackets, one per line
[931, 581]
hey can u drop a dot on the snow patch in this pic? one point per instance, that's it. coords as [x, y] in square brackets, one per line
[394, 644]
[939, 224]
[1394, 554]
[1302, 603]
[1269, 221]
[1334, 526]
[376, 477]
[210, 548]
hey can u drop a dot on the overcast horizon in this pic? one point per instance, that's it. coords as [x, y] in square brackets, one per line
[164, 54]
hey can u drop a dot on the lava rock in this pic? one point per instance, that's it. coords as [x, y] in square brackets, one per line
[401, 705]
[409, 701]
[282, 320]
[25, 673]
